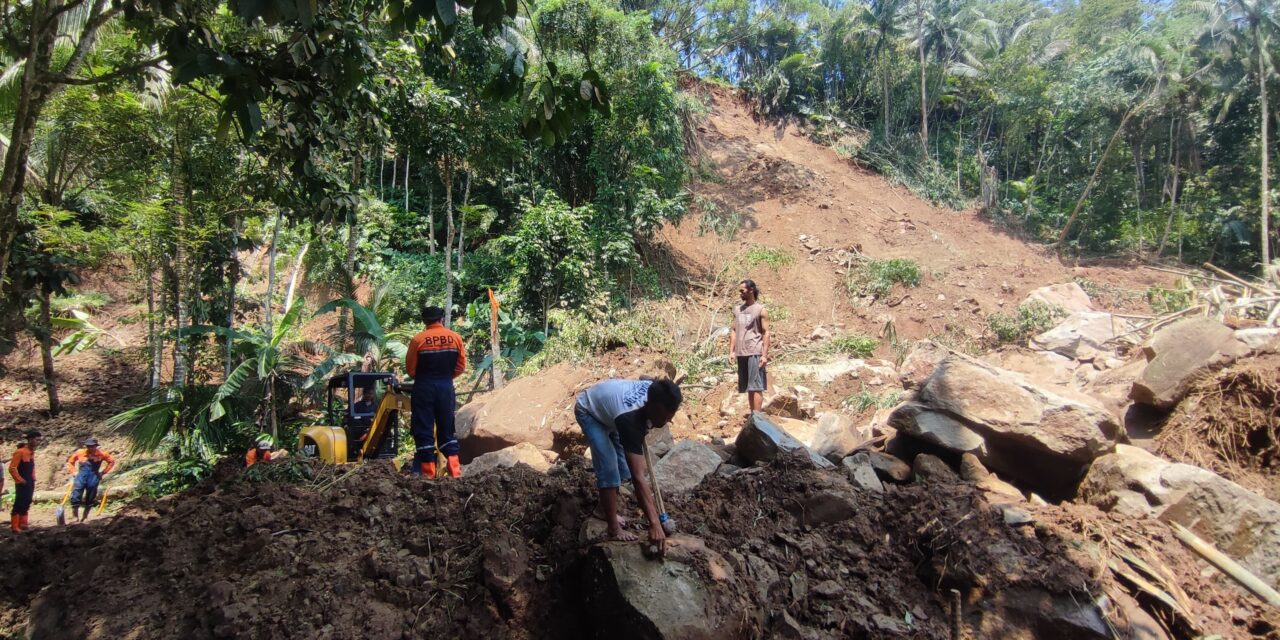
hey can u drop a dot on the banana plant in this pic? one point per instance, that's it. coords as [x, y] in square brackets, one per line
[370, 339]
[266, 359]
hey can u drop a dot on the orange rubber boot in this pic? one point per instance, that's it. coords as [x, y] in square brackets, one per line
[26, 522]
[429, 470]
[15, 523]
[455, 467]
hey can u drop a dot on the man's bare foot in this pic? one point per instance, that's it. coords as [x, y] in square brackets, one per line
[622, 535]
[599, 514]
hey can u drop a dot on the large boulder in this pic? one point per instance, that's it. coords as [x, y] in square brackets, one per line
[1112, 386]
[1041, 366]
[1068, 297]
[1083, 335]
[527, 409]
[1180, 352]
[523, 453]
[832, 436]
[686, 465]
[629, 596]
[760, 440]
[1240, 523]
[1034, 435]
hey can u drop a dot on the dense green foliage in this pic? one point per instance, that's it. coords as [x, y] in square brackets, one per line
[935, 93]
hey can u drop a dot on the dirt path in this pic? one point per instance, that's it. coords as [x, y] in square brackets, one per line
[783, 186]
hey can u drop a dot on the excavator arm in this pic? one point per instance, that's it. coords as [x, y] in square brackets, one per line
[394, 402]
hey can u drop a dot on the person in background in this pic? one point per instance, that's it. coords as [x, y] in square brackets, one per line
[435, 357]
[85, 465]
[749, 344]
[22, 468]
[261, 452]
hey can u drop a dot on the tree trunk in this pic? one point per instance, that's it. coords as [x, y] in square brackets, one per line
[233, 278]
[177, 190]
[462, 227]
[431, 217]
[45, 333]
[271, 275]
[154, 343]
[884, 108]
[33, 94]
[293, 278]
[448, 243]
[924, 94]
[408, 155]
[349, 270]
[1266, 152]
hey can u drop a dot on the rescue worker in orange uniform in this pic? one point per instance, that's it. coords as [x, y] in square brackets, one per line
[261, 452]
[435, 357]
[86, 465]
[22, 467]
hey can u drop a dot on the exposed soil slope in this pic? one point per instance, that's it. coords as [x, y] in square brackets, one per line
[784, 185]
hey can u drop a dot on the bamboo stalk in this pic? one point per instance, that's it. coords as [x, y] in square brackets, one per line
[1233, 278]
[1227, 565]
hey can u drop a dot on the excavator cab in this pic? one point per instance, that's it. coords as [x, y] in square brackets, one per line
[364, 409]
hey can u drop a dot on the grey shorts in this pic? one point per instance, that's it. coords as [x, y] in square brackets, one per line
[751, 376]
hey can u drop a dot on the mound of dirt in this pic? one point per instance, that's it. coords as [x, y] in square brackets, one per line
[370, 553]
[1230, 423]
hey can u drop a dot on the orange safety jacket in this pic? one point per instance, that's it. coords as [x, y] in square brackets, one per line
[253, 457]
[22, 466]
[436, 354]
[93, 458]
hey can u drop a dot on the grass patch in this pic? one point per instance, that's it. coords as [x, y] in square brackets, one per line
[863, 400]
[1033, 317]
[761, 255]
[89, 301]
[575, 337]
[875, 278]
[1164, 301]
[855, 344]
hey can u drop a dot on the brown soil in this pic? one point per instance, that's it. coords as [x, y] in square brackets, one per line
[1230, 423]
[783, 185]
[378, 555]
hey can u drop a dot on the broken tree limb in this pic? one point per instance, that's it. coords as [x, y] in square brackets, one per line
[1227, 565]
[1236, 279]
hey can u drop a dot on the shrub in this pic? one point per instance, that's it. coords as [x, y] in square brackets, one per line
[1164, 301]
[876, 278]
[1033, 317]
[855, 344]
[863, 400]
[577, 337]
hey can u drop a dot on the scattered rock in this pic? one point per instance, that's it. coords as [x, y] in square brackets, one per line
[826, 506]
[523, 453]
[1240, 523]
[971, 470]
[1180, 352]
[686, 465]
[760, 440]
[828, 372]
[1257, 337]
[932, 468]
[886, 466]
[660, 440]
[1028, 433]
[924, 357]
[1083, 335]
[861, 475]
[1016, 611]
[632, 596]
[1015, 516]
[1068, 297]
[1112, 387]
[784, 404]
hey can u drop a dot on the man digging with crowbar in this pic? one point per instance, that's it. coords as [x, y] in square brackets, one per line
[615, 415]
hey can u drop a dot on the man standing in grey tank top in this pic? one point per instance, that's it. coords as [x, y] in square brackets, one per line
[749, 344]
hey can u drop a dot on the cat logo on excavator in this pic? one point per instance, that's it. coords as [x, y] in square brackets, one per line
[368, 427]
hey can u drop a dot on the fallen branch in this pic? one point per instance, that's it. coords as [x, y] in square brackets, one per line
[1228, 566]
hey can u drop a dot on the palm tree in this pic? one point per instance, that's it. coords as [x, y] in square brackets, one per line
[883, 19]
[1247, 34]
[940, 29]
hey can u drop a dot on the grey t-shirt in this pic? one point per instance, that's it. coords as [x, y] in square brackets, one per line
[619, 404]
[748, 329]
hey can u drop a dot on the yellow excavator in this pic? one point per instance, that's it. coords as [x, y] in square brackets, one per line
[368, 427]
